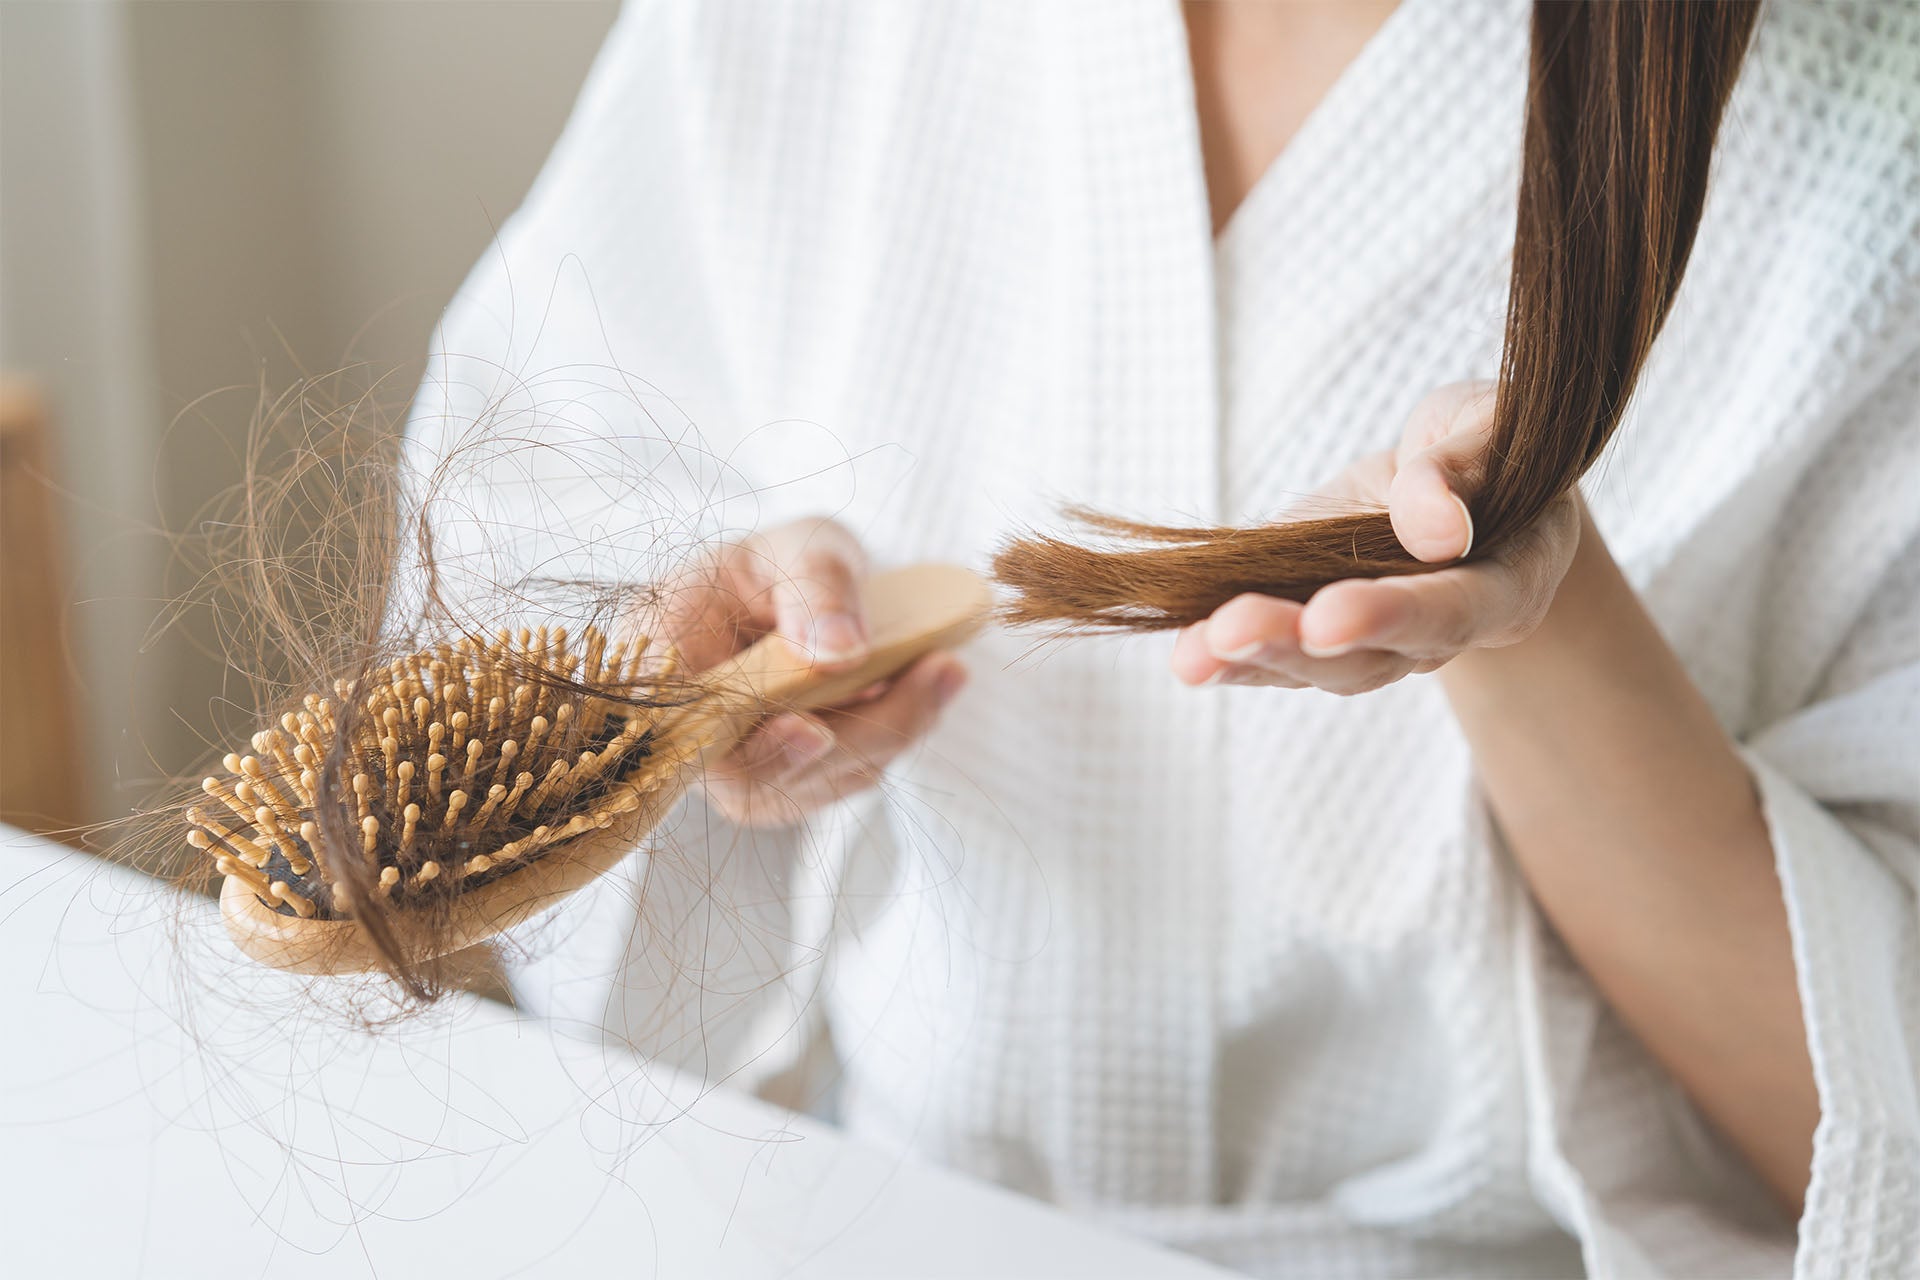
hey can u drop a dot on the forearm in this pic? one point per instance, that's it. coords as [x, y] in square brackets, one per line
[1638, 829]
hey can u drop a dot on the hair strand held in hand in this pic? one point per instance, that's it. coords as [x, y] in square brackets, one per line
[1624, 102]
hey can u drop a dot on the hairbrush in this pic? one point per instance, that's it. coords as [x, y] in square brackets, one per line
[488, 782]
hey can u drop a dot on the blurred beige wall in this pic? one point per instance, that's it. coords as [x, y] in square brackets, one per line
[194, 192]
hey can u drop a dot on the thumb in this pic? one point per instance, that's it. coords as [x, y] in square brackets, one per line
[1440, 468]
[1430, 517]
[815, 591]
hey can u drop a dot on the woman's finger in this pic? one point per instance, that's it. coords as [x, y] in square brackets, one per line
[1261, 635]
[1246, 624]
[1257, 678]
[870, 735]
[1257, 639]
[1430, 517]
[1353, 673]
[1282, 663]
[706, 610]
[1192, 662]
[782, 746]
[1425, 615]
[1430, 615]
[1238, 629]
[1441, 465]
[813, 575]
[796, 763]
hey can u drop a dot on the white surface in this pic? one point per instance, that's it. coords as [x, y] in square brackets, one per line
[166, 1110]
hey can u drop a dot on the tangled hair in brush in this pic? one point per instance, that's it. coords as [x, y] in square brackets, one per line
[1624, 101]
[415, 750]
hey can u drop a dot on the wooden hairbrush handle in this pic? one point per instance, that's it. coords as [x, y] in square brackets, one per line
[911, 612]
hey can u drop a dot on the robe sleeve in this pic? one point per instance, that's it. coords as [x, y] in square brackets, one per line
[1621, 1156]
[1840, 784]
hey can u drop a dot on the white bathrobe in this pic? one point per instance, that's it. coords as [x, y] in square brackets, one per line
[1241, 969]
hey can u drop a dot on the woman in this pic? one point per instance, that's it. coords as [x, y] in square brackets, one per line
[1594, 943]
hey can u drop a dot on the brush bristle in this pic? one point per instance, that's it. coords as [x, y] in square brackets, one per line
[459, 765]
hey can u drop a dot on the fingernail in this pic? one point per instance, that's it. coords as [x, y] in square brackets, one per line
[1218, 677]
[948, 684]
[837, 637]
[1245, 653]
[801, 741]
[1325, 651]
[1466, 513]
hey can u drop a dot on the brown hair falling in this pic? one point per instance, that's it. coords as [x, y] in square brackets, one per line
[1624, 101]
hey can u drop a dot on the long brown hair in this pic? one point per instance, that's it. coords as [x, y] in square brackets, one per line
[1624, 100]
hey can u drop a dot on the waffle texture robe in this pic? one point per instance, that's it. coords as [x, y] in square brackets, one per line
[1244, 970]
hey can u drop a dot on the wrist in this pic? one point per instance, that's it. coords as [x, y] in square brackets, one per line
[1587, 608]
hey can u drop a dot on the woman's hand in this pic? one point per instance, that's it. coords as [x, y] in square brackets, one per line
[803, 581]
[1358, 635]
